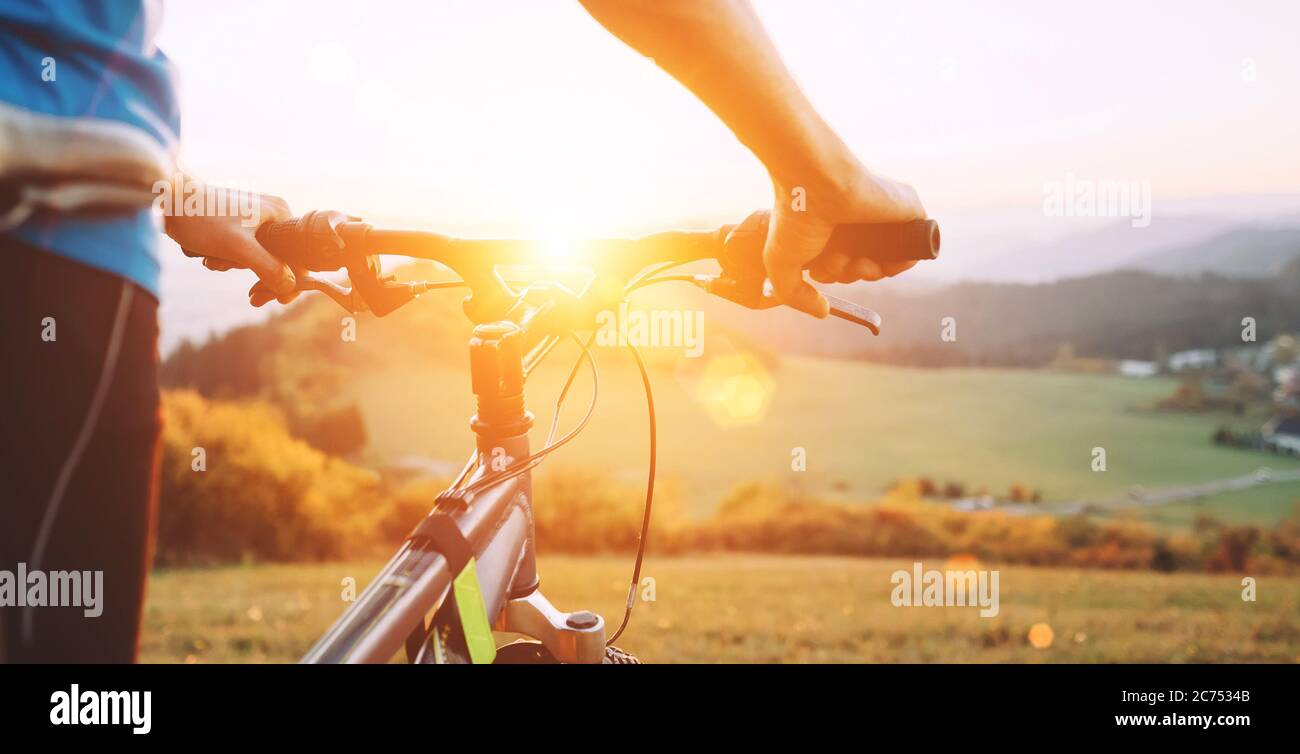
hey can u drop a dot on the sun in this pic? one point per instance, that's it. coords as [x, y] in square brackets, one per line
[557, 249]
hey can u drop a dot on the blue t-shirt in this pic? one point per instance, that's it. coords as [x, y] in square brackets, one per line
[105, 65]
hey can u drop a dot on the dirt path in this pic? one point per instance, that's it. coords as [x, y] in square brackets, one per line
[1138, 496]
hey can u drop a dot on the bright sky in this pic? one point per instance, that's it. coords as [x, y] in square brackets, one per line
[525, 118]
[500, 115]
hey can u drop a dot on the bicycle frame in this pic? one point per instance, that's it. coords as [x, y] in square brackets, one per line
[497, 523]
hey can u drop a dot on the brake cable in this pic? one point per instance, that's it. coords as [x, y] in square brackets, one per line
[648, 278]
[643, 277]
[641, 283]
[649, 498]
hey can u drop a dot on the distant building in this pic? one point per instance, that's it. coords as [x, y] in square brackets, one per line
[1135, 368]
[1283, 433]
[1196, 358]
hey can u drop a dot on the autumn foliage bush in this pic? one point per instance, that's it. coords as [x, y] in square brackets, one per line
[236, 486]
[766, 518]
[581, 511]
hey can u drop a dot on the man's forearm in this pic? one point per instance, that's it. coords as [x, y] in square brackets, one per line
[720, 51]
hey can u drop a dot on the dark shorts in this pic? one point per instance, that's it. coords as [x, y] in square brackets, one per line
[79, 439]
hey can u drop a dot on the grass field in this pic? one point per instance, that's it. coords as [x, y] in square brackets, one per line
[862, 426]
[775, 609]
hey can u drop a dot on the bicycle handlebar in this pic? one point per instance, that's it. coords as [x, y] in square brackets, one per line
[310, 242]
[328, 241]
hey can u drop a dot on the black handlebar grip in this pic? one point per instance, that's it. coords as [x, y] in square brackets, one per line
[286, 239]
[310, 242]
[887, 243]
[278, 230]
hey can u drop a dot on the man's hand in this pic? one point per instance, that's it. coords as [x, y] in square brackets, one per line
[799, 231]
[229, 242]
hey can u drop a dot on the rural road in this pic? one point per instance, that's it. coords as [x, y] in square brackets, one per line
[1139, 496]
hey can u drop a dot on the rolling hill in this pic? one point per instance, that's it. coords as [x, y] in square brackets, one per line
[1251, 251]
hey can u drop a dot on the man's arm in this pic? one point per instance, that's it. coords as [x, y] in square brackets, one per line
[719, 50]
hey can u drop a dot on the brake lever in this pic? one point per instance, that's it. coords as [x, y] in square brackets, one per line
[394, 294]
[744, 293]
[344, 297]
[855, 313]
[352, 299]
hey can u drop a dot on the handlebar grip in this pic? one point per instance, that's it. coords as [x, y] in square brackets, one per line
[310, 242]
[276, 232]
[887, 243]
[287, 240]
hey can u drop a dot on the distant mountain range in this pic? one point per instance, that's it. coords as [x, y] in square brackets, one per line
[1249, 251]
[1021, 242]
[1123, 314]
[1186, 245]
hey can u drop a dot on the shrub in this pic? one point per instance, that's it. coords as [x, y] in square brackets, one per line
[580, 511]
[263, 495]
[1232, 548]
[762, 517]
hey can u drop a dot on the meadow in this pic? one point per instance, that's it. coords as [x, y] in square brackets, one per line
[763, 609]
[729, 419]
[862, 427]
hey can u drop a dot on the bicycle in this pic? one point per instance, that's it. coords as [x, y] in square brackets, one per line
[471, 561]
